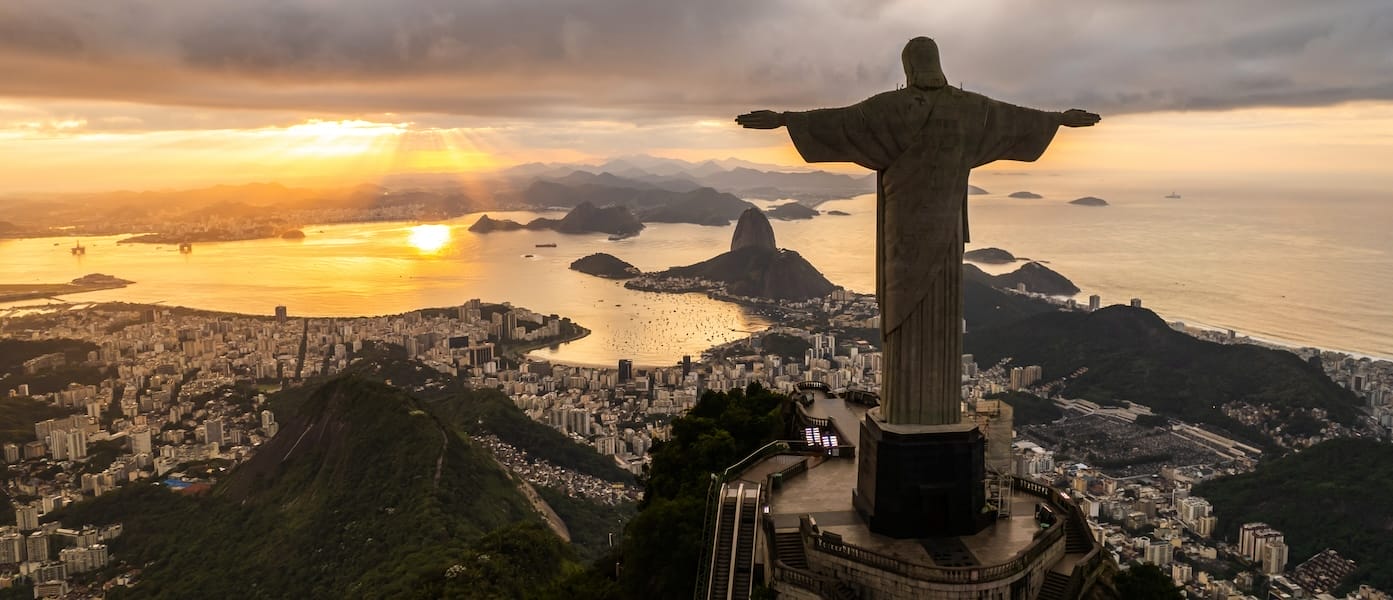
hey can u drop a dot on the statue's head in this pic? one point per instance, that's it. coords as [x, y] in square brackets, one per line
[921, 66]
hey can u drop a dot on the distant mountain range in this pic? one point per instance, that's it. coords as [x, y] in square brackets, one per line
[648, 201]
[742, 178]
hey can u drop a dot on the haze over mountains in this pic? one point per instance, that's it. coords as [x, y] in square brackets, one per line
[657, 189]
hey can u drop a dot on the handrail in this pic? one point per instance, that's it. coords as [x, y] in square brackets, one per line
[702, 588]
[708, 543]
[759, 454]
[783, 474]
[1080, 575]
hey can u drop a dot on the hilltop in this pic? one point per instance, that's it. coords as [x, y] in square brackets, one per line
[363, 492]
[1034, 276]
[990, 256]
[1332, 495]
[1131, 354]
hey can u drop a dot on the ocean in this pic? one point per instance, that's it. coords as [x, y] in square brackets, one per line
[1279, 265]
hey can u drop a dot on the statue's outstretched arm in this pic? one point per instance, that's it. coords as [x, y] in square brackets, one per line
[761, 119]
[1078, 118]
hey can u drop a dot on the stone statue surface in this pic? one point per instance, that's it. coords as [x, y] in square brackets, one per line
[922, 140]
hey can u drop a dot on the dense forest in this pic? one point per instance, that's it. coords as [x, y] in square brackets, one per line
[1332, 495]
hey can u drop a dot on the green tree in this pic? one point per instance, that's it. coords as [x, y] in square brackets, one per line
[1146, 582]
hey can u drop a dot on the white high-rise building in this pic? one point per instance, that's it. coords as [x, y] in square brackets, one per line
[11, 546]
[141, 442]
[1274, 557]
[77, 444]
[36, 547]
[27, 517]
[58, 445]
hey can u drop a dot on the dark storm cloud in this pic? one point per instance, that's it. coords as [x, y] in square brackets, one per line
[645, 59]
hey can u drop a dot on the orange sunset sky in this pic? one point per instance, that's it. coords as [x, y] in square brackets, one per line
[148, 94]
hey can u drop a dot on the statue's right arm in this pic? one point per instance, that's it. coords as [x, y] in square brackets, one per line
[762, 119]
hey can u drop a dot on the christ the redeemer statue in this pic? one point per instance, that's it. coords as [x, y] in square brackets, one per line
[921, 141]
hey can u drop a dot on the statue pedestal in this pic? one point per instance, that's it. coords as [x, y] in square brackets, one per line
[921, 481]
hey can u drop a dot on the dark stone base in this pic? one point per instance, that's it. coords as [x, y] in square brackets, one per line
[920, 481]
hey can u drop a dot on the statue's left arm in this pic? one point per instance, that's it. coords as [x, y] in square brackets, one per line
[1012, 132]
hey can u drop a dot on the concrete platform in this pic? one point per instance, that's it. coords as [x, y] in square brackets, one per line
[846, 417]
[825, 493]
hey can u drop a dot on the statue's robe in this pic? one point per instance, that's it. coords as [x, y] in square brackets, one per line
[922, 144]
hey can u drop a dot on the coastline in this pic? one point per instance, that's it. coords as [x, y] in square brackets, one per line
[19, 292]
[524, 351]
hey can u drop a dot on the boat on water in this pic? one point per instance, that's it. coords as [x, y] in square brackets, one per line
[1172, 195]
[547, 245]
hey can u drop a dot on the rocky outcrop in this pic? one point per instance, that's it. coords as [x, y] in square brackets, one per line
[1089, 201]
[486, 224]
[753, 231]
[1026, 195]
[755, 267]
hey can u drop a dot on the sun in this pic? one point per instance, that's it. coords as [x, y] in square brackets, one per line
[429, 238]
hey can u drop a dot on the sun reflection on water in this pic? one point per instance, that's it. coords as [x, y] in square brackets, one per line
[429, 239]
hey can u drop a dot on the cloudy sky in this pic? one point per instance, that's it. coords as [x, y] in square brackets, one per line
[151, 93]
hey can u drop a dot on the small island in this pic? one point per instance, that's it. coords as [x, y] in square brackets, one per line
[989, 256]
[605, 265]
[1089, 201]
[792, 211]
[487, 224]
[86, 283]
[973, 190]
[1025, 195]
[838, 213]
[293, 234]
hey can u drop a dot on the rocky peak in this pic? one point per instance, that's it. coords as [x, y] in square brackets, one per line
[753, 230]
